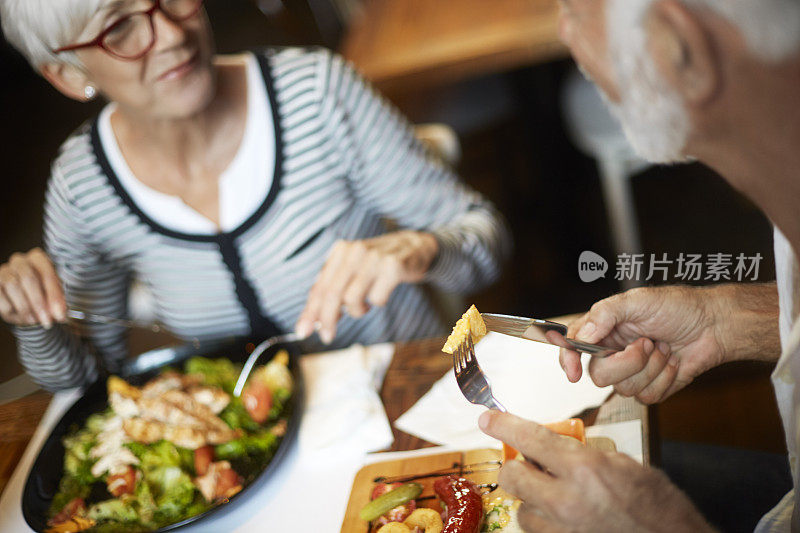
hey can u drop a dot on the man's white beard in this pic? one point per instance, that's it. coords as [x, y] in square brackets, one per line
[652, 114]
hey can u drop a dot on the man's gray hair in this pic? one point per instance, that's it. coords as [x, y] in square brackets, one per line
[771, 28]
[37, 27]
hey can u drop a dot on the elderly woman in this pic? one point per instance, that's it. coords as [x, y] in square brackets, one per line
[249, 193]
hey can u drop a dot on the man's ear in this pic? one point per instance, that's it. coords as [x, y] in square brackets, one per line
[70, 80]
[681, 46]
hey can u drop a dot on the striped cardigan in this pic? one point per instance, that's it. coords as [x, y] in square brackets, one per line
[345, 162]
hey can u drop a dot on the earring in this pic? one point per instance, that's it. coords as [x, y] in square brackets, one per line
[89, 92]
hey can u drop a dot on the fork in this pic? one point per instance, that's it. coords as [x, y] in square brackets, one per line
[82, 316]
[471, 379]
[256, 353]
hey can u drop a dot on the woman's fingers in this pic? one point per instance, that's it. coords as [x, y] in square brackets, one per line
[16, 297]
[30, 291]
[54, 293]
[355, 294]
[385, 282]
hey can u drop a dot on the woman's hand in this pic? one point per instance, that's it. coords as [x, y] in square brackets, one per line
[30, 291]
[578, 489]
[360, 274]
[667, 336]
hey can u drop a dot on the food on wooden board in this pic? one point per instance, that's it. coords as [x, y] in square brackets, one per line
[386, 501]
[463, 503]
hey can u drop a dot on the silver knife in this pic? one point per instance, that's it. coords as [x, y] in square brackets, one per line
[535, 329]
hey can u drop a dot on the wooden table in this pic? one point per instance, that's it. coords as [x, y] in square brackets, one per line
[404, 44]
[416, 366]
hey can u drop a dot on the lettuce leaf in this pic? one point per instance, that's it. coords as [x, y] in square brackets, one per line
[116, 509]
[216, 372]
[173, 492]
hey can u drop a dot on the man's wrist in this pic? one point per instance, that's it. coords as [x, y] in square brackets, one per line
[745, 317]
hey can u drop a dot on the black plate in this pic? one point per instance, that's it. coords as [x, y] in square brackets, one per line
[45, 475]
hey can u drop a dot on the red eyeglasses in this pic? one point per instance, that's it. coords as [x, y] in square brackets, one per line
[133, 35]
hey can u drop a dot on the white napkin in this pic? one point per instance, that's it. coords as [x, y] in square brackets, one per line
[627, 436]
[342, 402]
[525, 377]
[308, 491]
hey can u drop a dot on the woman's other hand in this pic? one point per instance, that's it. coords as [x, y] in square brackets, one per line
[30, 290]
[360, 274]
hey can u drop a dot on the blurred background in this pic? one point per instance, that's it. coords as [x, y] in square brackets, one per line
[533, 137]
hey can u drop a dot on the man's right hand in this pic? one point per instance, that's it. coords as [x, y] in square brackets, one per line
[667, 336]
[30, 290]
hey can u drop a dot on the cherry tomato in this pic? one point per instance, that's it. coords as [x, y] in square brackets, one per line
[257, 399]
[123, 483]
[227, 480]
[75, 506]
[203, 457]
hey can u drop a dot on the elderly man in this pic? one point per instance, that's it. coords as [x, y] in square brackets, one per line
[715, 80]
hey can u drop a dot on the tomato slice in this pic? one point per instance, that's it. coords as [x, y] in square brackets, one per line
[122, 483]
[203, 457]
[74, 507]
[228, 483]
[257, 399]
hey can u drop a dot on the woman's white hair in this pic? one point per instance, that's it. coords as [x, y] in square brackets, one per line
[37, 27]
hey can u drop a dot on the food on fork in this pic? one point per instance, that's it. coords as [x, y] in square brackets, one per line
[470, 324]
[170, 449]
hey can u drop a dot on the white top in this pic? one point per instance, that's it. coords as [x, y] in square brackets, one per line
[243, 185]
[785, 379]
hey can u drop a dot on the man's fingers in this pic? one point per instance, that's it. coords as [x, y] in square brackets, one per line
[571, 363]
[536, 442]
[633, 385]
[533, 519]
[528, 483]
[622, 365]
[678, 382]
[658, 388]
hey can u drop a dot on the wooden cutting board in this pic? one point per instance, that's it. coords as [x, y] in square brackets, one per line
[485, 464]
[479, 466]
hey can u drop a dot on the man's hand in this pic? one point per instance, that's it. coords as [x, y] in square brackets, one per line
[581, 489]
[667, 336]
[360, 274]
[30, 291]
